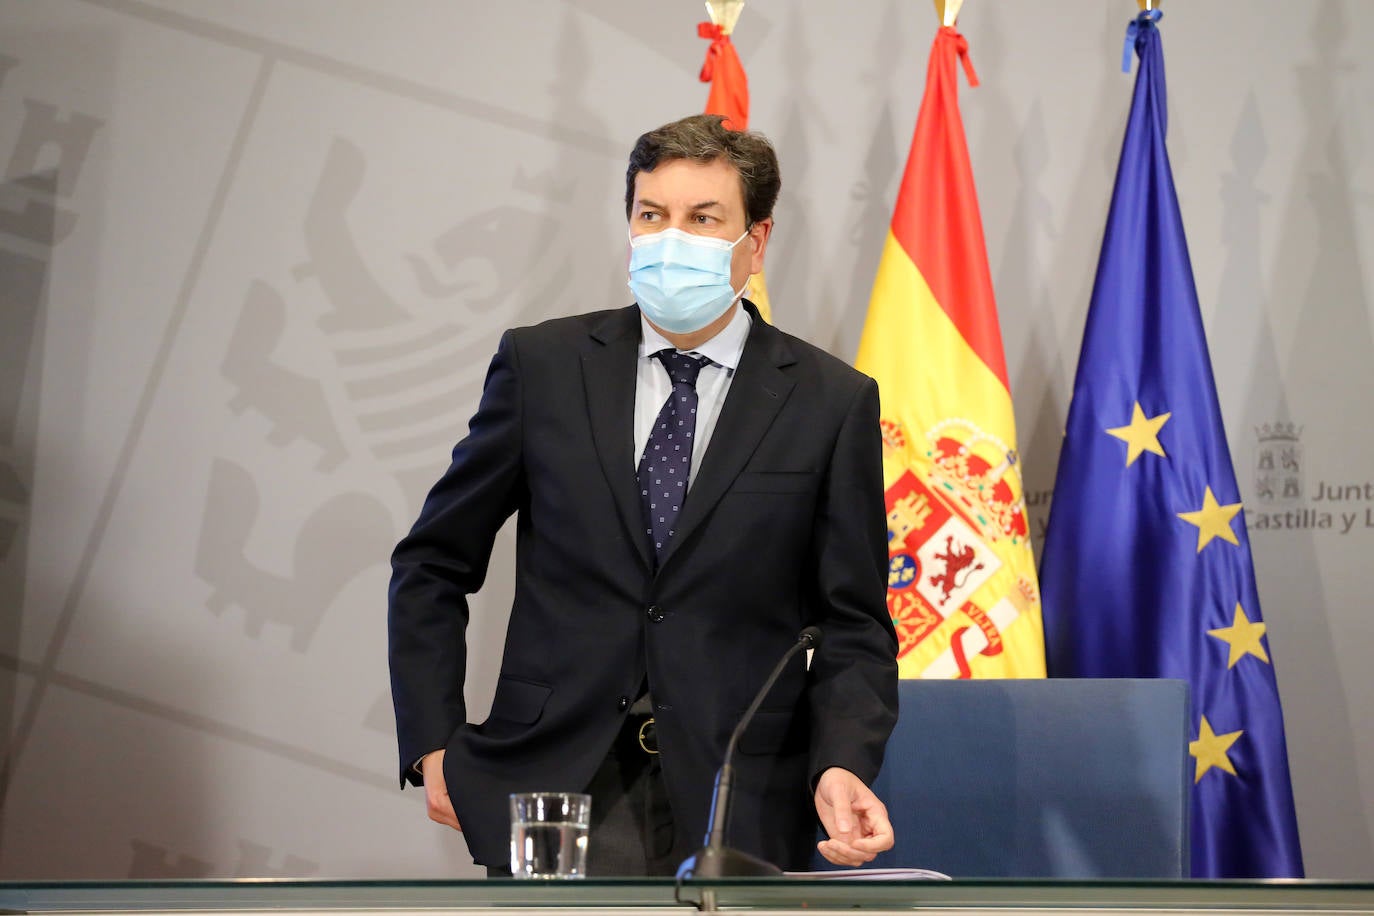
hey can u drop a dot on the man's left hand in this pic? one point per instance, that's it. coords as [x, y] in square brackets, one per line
[853, 817]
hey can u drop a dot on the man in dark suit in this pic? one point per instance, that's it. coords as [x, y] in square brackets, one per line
[649, 609]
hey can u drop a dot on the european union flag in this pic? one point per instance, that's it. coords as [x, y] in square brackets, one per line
[1146, 570]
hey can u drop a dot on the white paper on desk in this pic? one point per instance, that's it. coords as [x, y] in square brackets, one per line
[874, 874]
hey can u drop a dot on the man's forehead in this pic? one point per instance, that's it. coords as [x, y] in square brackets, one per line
[687, 183]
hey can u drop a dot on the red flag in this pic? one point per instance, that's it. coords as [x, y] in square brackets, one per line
[729, 86]
[729, 97]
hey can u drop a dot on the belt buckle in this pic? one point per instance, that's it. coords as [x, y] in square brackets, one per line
[643, 730]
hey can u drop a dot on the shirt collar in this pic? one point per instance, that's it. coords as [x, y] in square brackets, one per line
[724, 349]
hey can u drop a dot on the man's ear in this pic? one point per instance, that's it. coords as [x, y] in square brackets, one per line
[759, 233]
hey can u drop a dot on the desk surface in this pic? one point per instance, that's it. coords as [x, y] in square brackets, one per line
[626, 897]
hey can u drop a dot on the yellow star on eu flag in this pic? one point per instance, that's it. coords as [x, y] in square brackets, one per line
[1141, 435]
[1210, 750]
[1212, 520]
[1243, 636]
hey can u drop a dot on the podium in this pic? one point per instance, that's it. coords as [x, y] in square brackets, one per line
[630, 897]
[1077, 778]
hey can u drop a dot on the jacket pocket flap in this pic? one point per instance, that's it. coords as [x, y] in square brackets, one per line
[519, 700]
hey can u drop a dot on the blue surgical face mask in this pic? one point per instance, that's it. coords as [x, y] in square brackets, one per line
[682, 281]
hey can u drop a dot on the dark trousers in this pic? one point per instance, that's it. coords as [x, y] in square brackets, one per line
[631, 832]
[632, 823]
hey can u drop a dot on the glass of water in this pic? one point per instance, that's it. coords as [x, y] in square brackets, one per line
[548, 834]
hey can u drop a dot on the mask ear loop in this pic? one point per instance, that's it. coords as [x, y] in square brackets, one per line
[740, 295]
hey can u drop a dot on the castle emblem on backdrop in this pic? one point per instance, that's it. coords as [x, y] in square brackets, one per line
[51, 145]
[1278, 464]
[956, 514]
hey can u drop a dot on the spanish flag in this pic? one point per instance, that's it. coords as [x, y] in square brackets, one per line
[729, 97]
[962, 588]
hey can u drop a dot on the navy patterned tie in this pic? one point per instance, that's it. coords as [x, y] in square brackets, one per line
[667, 458]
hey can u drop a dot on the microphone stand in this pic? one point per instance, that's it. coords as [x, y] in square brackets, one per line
[715, 859]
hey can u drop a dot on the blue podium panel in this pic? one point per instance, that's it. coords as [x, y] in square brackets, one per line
[1065, 778]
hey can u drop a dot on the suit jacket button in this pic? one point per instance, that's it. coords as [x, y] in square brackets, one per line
[624, 704]
[656, 613]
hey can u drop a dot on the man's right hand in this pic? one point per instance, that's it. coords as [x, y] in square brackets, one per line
[436, 790]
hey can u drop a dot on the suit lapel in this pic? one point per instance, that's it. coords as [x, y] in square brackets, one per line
[757, 393]
[608, 374]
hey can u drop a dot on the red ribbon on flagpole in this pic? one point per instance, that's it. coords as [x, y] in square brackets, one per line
[729, 94]
[961, 46]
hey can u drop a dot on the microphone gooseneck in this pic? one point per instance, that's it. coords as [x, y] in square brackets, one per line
[715, 859]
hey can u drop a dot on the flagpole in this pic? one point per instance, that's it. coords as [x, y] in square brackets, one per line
[948, 11]
[724, 13]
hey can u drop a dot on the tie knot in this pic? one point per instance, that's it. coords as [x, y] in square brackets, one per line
[682, 369]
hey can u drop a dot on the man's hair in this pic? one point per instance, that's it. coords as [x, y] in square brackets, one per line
[704, 138]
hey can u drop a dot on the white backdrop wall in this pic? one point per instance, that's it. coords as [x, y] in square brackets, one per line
[254, 257]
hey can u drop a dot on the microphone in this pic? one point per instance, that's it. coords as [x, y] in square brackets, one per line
[715, 859]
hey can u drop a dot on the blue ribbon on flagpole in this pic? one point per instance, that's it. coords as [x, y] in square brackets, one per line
[1145, 20]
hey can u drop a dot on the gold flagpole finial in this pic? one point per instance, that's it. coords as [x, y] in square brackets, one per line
[725, 13]
[1147, 5]
[948, 11]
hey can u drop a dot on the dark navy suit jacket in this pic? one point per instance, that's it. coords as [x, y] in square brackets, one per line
[784, 527]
